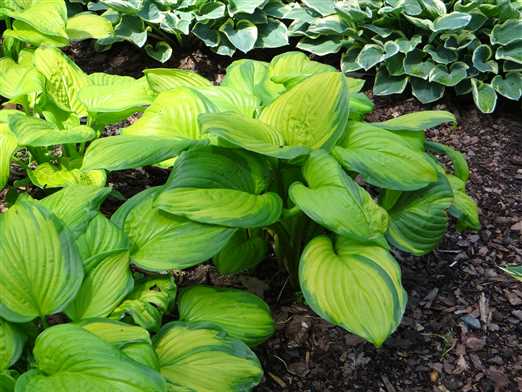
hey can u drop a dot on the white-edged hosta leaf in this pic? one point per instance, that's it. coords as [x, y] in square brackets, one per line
[452, 21]
[64, 79]
[103, 288]
[386, 84]
[68, 355]
[417, 121]
[86, 25]
[147, 303]
[314, 113]
[415, 64]
[48, 176]
[161, 52]
[160, 241]
[273, 34]
[353, 285]
[244, 251]
[164, 79]
[334, 200]
[383, 158]
[507, 32]
[41, 270]
[241, 314]
[511, 52]
[425, 91]
[464, 208]
[186, 351]
[127, 152]
[419, 219]
[484, 96]
[456, 73]
[321, 46]
[250, 134]
[370, 55]
[8, 146]
[242, 33]
[510, 86]
[12, 342]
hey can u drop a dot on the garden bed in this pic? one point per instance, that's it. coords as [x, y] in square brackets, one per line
[462, 328]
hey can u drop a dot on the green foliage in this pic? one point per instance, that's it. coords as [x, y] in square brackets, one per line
[471, 46]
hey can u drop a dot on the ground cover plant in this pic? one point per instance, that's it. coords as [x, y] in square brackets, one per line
[278, 157]
[473, 47]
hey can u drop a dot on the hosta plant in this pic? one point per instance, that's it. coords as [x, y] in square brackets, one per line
[279, 156]
[473, 47]
[113, 328]
[225, 26]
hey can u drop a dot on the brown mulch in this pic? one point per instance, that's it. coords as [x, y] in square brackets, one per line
[462, 330]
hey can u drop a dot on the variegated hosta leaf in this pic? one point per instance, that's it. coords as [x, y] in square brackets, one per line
[131, 340]
[511, 52]
[199, 190]
[242, 33]
[425, 91]
[386, 84]
[484, 96]
[104, 287]
[86, 25]
[482, 59]
[68, 357]
[456, 73]
[460, 165]
[353, 285]
[18, 79]
[510, 86]
[64, 79]
[514, 270]
[12, 342]
[464, 207]
[161, 241]
[46, 16]
[242, 315]
[229, 100]
[164, 79]
[313, 114]
[41, 270]
[48, 176]
[383, 159]
[200, 357]
[147, 303]
[8, 146]
[334, 200]
[415, 64]
[244, 251]
[419, 219]
[293, 67]
[507, 32]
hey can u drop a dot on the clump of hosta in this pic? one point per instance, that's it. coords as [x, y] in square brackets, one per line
[473, 47]
[224, 26]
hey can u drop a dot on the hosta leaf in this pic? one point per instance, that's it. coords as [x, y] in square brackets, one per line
[321, 46]
[460, 165]
[48, 176]
[416, 65]
[8, 146]
[161, 241]
[88, 25]
[242, 34]
[464, 207]
[243, 6]
[125, 6]
[250, 134]
[510, 86]
[103, 288]
[355, 286]
[7, 382]
[514, 270]
[161, 52]
[419, 219]
[457, 73]
[441, 54]
[484, 96]
[425, 91]
[386, 84]
[37, 277]
[127, 152]
[164, 79]
[481, 59]
[322, 7]
[18, 79]
[383, 159]
[337, 202]
[62, 362]
[417, 121]
[291, 68]
[511, 52]
[244, 251]
[186, 351]
[274, 34]
[46, 16]
[64, 79]
[226, 99]
[370, 55]
[242, 315]
[12, 343]
[314, 113]
[507, 32]
[148, 302]
[452, 21]
[26, 33]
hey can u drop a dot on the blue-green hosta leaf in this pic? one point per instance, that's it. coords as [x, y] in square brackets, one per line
[510, 86]
[507, 32]
[244, 251]
[211, 10]
[423, 24]
[407, 45]
[187, 351]
[457, 73]
[273, 34]
[12, 342]
[242, 315]
[441, 54]
[161, 241]
[250, 134]
[17, 79]
[76, 205]
[64, 79]
[41, 270]
[464, 208]
[415, 64]
[147, 303]
[125, 6]
[127, 152]
[425, 91]
[386, 84]
[417, 121]
[47, 175]
[482, 59]
[161, 52]
[68, 356]
[484, 96]
[514, 270]
[321, 46]
[511, 52]
[34, 132]
[242, 34]
[370, 55]
[87, 25]
[46, 16]
[244, 6]
[164, 79]
[353, 285]
[419, 219]
[337, 202]
[8, 146]
[383, 158]
[452, 21]
[313, 114]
